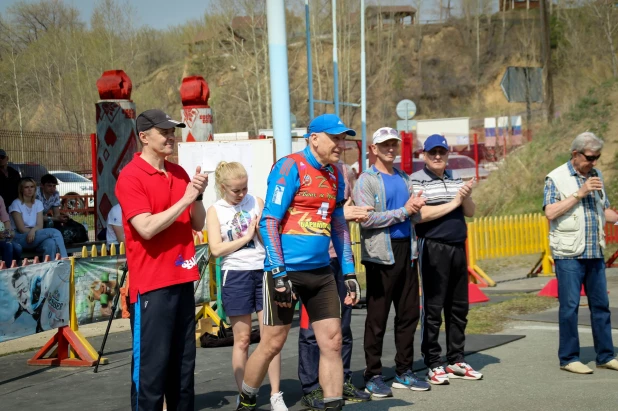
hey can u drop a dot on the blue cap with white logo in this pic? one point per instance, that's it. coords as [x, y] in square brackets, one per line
[433, 141]
[328, 123]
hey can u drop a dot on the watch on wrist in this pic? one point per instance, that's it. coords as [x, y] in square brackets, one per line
[277, 270]
[575, 195]
[199, 197]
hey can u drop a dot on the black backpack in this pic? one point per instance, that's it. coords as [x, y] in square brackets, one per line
[72, 232]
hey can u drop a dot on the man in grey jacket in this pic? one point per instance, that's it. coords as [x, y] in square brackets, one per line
[388, 250]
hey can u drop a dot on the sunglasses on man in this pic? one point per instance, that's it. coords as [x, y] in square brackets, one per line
[435, 151]
[591, 158]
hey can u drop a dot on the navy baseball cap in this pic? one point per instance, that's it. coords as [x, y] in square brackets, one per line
[433, 141]
[328, 123]
[156, 118]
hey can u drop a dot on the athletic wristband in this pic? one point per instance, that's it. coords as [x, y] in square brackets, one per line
[199, 197]
[277, 272]
[405, 211]
[340, 204]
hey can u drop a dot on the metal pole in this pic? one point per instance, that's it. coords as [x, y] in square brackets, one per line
[335, 61]
[93, 158]
[279, 83]
[309, 63]
[476, 156]
[363, 92]
[119, 285]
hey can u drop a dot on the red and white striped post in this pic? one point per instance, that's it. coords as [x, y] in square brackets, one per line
[196, 112]
[116, 138]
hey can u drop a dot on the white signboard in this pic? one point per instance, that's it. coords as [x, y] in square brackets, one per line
[455, 130]
[257, 156]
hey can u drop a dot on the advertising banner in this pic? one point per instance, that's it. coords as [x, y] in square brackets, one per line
[34, 298]
[95, 285]
[95, 288]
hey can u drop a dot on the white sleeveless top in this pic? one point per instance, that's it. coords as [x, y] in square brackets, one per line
[235, 221]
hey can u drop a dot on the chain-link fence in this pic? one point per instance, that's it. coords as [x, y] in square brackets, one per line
[53, 151]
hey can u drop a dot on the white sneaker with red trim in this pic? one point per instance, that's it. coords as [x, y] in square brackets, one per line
[437, 376]
[463, 370]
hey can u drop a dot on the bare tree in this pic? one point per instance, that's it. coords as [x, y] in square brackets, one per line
[547, 66]
[603, 11]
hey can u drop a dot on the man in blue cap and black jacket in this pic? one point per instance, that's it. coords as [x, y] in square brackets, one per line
[442, 234]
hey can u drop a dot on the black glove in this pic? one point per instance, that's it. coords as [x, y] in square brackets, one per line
[285, 296]
[352, 285]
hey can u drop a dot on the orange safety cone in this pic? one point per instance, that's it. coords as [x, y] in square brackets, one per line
[304, 318]
[550, 289]
[475, 295]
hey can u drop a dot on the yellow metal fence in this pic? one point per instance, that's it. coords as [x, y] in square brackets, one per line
[356, 247]
[492, 237]
[497, 237]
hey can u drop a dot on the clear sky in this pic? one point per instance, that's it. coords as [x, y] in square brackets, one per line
[168, 13]
[155, 13]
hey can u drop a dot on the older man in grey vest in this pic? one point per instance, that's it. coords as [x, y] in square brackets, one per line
[577, 207]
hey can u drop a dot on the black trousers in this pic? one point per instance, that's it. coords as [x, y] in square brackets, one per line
[391, 284]
[444, 274]
[163, 324]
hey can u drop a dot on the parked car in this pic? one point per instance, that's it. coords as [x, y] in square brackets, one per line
[34, 170]
[70, 183]
[466, 167]
[417, 164]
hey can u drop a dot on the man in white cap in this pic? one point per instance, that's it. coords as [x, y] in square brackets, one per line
[388, 251]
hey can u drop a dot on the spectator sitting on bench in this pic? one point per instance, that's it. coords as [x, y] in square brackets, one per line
[26, 214]
[9, 179]
[49, 196]
[115, 231]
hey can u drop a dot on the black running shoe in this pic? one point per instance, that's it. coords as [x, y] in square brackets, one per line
[353, 394]
[246, 403]
[314, 400]
[334, 405]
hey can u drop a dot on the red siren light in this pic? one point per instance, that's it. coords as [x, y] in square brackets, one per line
[114, 85]
[194, 92]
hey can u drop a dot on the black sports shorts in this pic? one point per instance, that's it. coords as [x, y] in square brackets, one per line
[316, 288]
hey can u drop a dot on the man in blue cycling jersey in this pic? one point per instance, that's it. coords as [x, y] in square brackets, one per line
[303, 211]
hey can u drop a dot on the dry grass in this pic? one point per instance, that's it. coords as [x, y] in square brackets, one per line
[517, 187]
[508, 263]
[493, 318]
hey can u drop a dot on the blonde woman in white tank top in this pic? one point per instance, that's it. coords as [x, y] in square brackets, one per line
[232, 235]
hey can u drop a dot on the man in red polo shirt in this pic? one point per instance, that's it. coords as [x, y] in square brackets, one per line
[161, 205]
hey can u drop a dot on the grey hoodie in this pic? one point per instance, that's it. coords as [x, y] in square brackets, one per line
[375, 232]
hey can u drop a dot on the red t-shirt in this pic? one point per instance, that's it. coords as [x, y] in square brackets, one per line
[169, 257]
